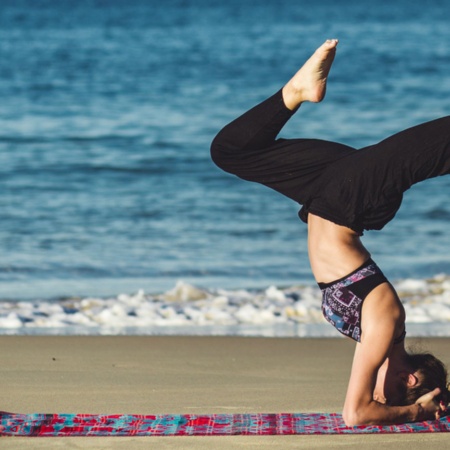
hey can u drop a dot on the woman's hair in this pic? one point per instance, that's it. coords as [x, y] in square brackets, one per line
[432, 374]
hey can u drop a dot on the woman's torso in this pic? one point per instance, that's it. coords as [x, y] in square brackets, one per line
[335, 252]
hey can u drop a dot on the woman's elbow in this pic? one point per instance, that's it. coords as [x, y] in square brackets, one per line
[350, 420]
[349, 417]
[352, 417]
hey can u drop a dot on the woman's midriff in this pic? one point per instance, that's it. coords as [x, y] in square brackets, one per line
[334, 250]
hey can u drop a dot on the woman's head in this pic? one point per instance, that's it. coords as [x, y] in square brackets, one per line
[431, 374]
[418, 375]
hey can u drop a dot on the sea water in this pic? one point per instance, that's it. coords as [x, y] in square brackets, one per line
[113, 217]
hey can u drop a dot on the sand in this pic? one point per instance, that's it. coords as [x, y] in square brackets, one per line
[157, 375]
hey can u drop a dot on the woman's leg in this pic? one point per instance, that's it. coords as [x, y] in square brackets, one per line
[372, 180]
[248, 148]
[413, 155]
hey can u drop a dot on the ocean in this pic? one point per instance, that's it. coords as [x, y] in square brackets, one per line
[113, 217]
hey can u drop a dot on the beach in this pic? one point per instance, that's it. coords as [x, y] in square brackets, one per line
[137, 277]
[159, 375]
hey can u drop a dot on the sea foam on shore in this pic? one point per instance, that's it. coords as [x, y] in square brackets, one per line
[186, 309]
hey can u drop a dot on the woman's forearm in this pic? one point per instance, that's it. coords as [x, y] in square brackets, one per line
[376, 413]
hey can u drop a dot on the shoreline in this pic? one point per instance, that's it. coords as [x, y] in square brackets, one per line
[424, 330]
[169, 374]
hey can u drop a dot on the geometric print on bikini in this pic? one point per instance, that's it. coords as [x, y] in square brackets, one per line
[365, 272]
[342, 308]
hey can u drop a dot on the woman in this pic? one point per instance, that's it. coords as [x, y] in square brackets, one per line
[344, 192]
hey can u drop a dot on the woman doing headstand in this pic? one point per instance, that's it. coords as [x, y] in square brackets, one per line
[344, 192]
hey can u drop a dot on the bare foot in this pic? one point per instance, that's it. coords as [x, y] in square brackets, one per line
[310, 82]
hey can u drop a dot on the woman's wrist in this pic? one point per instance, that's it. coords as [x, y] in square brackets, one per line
[420, 413]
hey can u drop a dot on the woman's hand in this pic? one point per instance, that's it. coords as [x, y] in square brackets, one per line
[429, 405]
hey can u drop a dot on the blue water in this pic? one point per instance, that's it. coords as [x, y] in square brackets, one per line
[108, 109]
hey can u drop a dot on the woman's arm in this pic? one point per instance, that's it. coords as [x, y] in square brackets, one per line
[381, 316]
[361, 409]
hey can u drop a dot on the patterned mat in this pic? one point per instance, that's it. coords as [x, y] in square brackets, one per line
[196, 425]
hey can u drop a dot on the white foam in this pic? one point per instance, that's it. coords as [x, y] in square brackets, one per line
[187, 308]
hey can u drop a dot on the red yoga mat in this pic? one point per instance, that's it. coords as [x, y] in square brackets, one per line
[58, 425]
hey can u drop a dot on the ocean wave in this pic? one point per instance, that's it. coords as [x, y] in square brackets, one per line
[187, 309]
